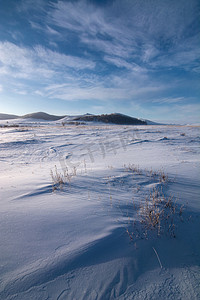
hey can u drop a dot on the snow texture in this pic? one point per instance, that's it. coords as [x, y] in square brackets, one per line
[72, 202]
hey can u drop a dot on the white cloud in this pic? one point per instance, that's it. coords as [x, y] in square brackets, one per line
[22, 62]
[149, 53]
[14, 59]
[150, 32]
[20, 92]
[169, 100]
[122, 63]
[59, 60]
[52, 31]
[109, 88]
[109, 47]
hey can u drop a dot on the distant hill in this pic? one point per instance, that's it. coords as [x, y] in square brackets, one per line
[37, 115]
[42, 116]
[7, 117]
[115, 118]
[111, 118]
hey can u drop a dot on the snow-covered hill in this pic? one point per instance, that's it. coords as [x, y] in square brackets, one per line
[115, 118]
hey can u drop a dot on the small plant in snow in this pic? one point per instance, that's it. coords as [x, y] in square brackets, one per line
[59, 179]
[157, 215]
[163, 177]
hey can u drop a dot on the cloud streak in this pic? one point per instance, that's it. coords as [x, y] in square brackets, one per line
[29, 63]
[169, 100]
[134, 30]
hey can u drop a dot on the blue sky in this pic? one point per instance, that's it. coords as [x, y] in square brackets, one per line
[139, 58]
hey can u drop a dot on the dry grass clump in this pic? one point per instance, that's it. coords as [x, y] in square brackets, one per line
[59, 179]
[157, 216]
[158, 213]
[133, 168]
[163, 178]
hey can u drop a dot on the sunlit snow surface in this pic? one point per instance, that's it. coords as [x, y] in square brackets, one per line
[70, 241]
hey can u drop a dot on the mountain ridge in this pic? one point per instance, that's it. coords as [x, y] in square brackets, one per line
[8, 116]
[113, 118]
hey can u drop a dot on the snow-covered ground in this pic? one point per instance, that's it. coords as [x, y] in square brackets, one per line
[75, 210]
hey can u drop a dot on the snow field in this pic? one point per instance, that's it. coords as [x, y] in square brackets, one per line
[76, 217]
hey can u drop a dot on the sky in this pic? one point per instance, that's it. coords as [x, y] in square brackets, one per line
[136, 57]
